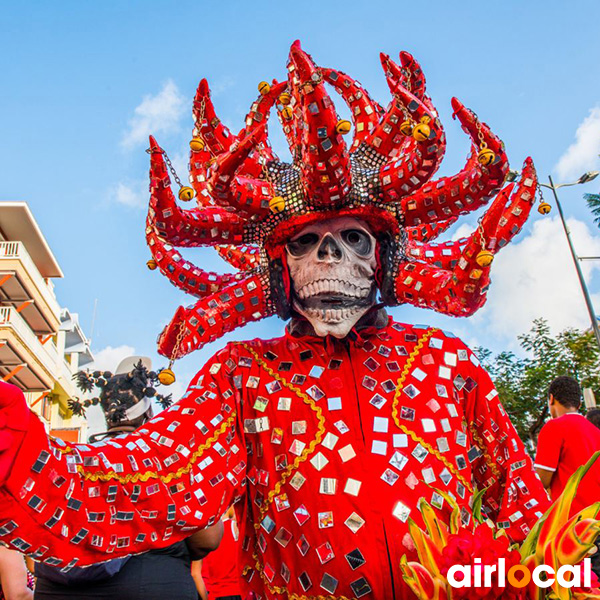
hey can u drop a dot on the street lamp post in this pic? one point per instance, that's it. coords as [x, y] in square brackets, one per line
[585, 178]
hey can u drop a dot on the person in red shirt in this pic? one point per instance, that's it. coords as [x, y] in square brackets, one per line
[220, 570]
[565, 443]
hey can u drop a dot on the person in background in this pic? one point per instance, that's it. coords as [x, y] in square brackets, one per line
[565, 443]
[593, 416]
[218, 575]
[16, 582]
[125, 399]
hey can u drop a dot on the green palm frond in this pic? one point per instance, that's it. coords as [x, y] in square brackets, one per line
[593, 202]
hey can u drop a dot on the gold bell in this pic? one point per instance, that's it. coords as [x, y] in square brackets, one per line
[285, 98]
[166, 377]
[197, 144]
[422, 131]
[186, 193]
[484, 258]
[406, 127]
[151, 264]
[287, 113]
[264, 88]
[277, 204]
[486, 156]
[343, 126]
[544, 208]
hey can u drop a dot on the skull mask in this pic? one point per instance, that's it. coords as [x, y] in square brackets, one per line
[332, 268]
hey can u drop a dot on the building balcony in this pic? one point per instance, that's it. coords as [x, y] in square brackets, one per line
[23, 287]
[34, 366]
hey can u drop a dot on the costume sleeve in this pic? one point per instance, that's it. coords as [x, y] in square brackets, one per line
[88, 503]
[515, 497]
[548, 448]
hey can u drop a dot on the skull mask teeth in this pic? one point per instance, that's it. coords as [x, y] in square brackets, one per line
[332, 268]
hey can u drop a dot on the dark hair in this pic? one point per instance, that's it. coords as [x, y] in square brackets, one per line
[593, 416]
[566, 390]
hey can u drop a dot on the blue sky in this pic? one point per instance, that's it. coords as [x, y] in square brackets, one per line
[73, 144]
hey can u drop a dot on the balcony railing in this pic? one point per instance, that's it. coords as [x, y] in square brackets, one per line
[17, 250]
[47, 354]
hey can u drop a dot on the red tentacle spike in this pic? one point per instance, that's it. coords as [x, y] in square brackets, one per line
[325, 158]
[387, 138]
[365, 111]
[410, 75]
[454, 282]
[216, 136]
[182, 273]
[244, 193]
[214, 316]
[428, 231]
[444, 255]
[258, 117]
[520, 205]
[259, 111]
[203, 226]
[459, 292]
[467, 191]
[416, 79]
[200, 161]
[243, 258]
[415, 166]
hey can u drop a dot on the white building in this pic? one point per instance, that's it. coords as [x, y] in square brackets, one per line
[41, 344]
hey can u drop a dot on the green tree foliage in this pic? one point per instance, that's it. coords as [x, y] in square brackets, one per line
[522, 383]
[593, 202]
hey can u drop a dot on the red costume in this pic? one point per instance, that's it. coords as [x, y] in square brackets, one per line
[330, 454]
[326, 444]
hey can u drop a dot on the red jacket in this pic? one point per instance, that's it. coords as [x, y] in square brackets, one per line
[328, 445]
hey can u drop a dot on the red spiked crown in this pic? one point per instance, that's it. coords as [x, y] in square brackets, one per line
[249, 202]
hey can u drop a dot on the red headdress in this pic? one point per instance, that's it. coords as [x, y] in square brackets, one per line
[249, 203]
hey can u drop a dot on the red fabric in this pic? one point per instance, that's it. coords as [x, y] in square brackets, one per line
[308, 441]
[220, 569]
[564, 444]
[14, 420]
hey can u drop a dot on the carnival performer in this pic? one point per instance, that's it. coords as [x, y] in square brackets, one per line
[325, 438]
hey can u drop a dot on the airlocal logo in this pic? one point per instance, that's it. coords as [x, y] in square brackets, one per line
[518, 576]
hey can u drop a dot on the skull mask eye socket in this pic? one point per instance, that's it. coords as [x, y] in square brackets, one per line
[358, 241]
[302, 244]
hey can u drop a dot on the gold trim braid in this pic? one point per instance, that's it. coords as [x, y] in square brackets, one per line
[135, 477]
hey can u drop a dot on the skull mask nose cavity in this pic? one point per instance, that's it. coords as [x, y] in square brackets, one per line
[329, 249]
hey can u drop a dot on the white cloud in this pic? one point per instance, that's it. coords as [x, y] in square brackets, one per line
[109, 357]
[535, 277]
[156, 114]
[464, 230]
[221, 85]
[131, 194]
[582, 155]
